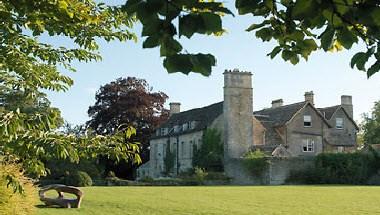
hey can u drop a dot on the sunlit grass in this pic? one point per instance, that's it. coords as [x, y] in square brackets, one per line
[227, 200]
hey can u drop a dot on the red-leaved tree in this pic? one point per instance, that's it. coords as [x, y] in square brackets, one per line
[128, 102]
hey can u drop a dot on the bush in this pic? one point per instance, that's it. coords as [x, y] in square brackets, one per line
[16, 203]
[200, 175]
[255, 162]
[78, 179]
[61, 168]
[374, 180]
[338, 168]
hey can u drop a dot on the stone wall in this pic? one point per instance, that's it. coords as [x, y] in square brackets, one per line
[276, 173]
[280, 168]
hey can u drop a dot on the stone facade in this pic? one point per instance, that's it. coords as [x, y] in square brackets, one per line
[298, 130]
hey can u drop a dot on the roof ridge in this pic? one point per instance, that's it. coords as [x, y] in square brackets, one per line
[282, 106]
[217, 103]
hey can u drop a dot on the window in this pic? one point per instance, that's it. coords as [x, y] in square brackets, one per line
[339, 123]
[307, 121]
[193, 124]
[185, 126]
[308, 145]
[164, 131]
[176, 128]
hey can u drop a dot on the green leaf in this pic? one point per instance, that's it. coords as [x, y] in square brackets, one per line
[170, 46]
[303, 8]
[151, 42]
[287, 55]
[202, 63]
[327, 38]
[256, 26]
[274, 52]
[373, 69]
[212, 22]
[346, 38]
[178, 63]
[265, 34]
[189, 24]
[294, 59]
[359, 59]
[246, 6]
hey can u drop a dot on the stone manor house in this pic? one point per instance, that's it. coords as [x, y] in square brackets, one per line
[292, 130]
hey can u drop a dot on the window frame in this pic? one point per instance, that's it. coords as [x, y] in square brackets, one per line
[309, 144]
[307, 121]
[336, 123]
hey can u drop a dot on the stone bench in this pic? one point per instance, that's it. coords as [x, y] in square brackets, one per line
[60, 200]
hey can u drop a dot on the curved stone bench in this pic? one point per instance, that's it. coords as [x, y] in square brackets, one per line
[61, 201]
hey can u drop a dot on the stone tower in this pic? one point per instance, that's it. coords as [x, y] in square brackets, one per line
[238, 113]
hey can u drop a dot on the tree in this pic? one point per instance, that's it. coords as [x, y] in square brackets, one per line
[371, 126]
[210, 153]
[28, 130]
[128, 102]
[169, 160]
[299, 27]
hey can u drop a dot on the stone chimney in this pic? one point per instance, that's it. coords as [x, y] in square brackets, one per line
[346, 102]
[277, 103]
[238, 113]
[309, 97]
[175, 107]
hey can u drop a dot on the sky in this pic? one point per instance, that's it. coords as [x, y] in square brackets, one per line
[328, 75]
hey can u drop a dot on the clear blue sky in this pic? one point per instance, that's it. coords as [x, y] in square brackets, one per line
[327, 74]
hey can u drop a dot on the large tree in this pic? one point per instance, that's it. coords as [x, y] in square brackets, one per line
[128, 102]
[28, 125]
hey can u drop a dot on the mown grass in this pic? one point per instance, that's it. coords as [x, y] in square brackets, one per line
[227, 200]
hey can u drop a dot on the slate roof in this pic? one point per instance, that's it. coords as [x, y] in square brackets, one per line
[202, 116]
[328, 111]
[280, 115]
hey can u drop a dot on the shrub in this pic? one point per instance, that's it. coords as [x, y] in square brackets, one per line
[374, 179]
[200, 175]
[78, 179]
[60, 168]
[16, 203]
[219, 176]
[338, 168]
[147, 179]
[255, 162]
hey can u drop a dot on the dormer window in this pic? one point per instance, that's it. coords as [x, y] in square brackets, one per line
[176, 128]
[193, 124]
[185, 126]
[164, 131]
[339, 123]
[306, 121]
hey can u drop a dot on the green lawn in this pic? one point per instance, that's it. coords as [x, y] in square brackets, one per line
[229, 200]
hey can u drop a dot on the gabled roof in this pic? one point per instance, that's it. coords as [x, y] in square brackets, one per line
[328, 112]
[202, 116]
[279, 115]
